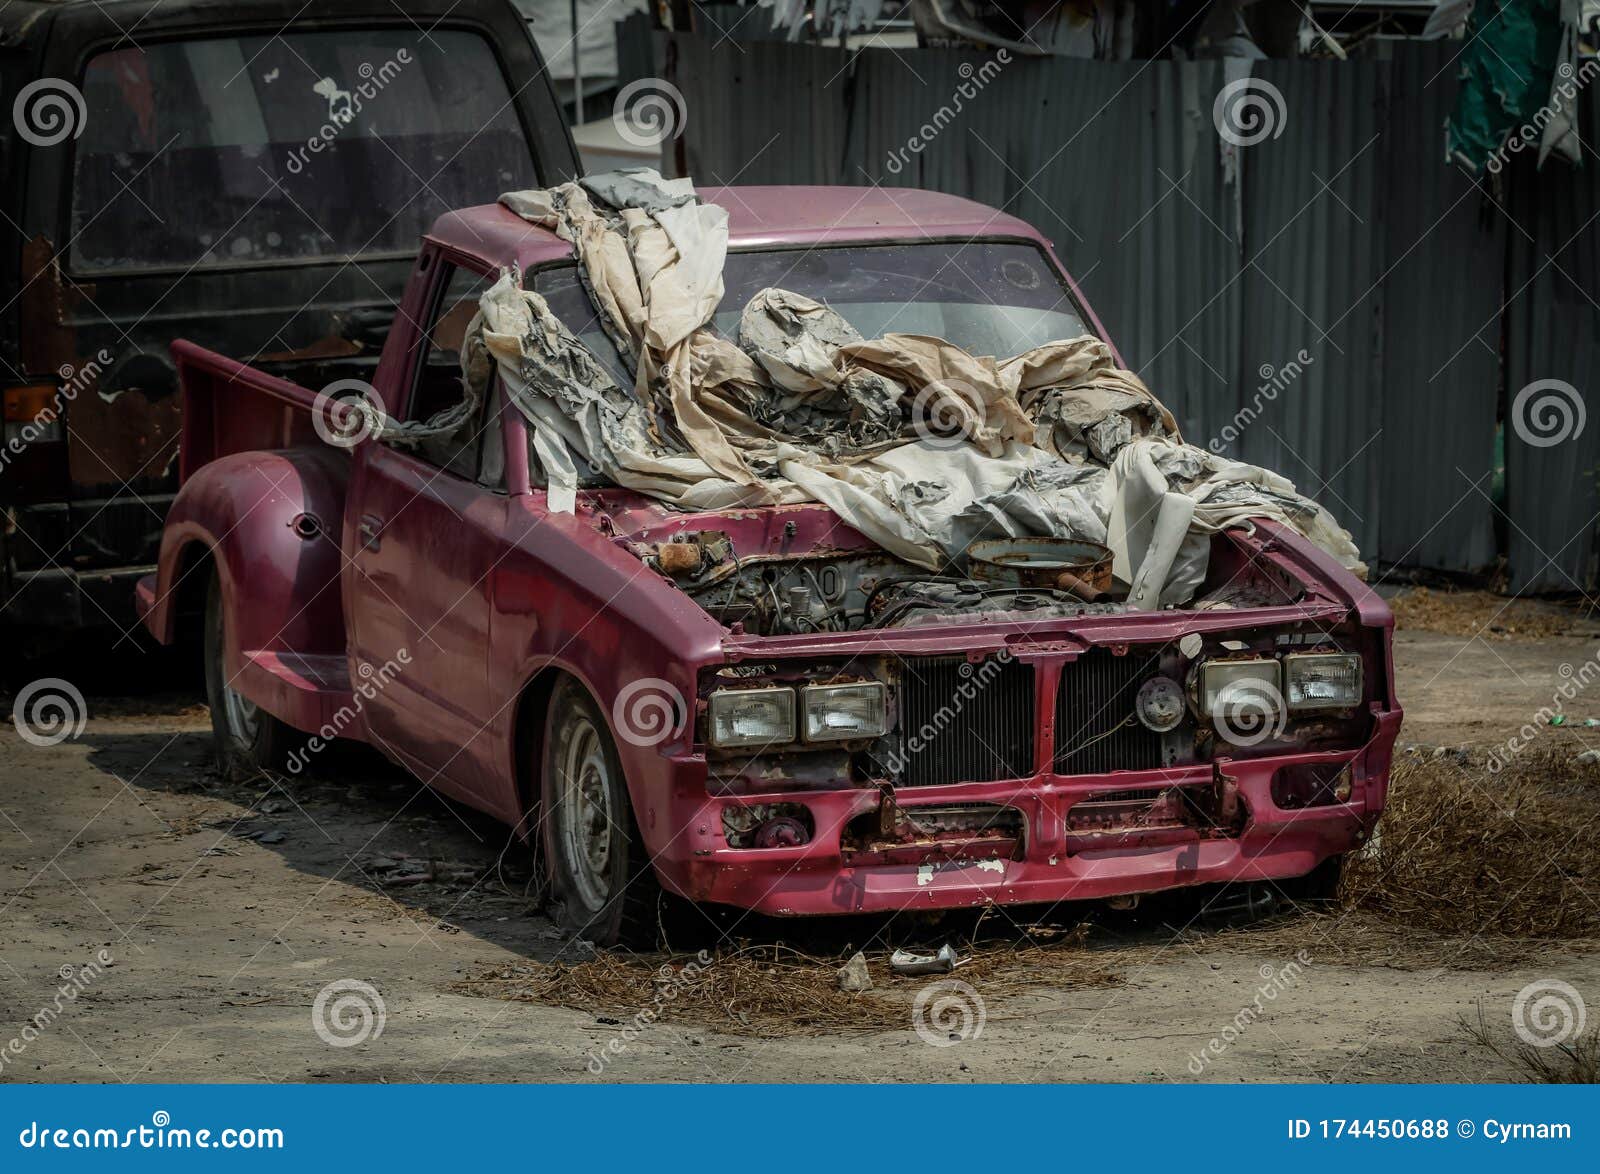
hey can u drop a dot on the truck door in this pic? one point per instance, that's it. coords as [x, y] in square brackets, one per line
[423, 528]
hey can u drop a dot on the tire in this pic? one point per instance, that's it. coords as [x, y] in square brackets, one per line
[1320, 886]
[248, 739]
[602, 885]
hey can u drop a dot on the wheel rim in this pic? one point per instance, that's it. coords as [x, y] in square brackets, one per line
[583, 814]
[242, 715]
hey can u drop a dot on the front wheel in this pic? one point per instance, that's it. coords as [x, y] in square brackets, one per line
[248, 738]
[1320, 886]
[602, 884]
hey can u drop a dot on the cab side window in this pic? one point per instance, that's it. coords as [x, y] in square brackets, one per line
[470, 450]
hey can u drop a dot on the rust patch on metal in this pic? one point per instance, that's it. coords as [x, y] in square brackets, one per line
[130, 437]
[332, 347]
[47, 342]
[942, 834]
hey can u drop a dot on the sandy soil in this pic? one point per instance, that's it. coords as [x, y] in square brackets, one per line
[226, 909]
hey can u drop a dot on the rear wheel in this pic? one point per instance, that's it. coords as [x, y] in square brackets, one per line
[248, 738]
[602, 884]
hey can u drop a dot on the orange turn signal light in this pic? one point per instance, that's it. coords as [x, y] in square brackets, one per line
[23, 404]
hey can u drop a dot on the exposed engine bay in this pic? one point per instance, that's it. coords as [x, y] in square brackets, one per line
[1004, 580]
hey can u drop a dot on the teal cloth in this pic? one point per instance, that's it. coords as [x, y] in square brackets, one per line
[1507, 64]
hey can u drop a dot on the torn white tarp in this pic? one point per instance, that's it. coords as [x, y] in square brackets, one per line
[915, 442]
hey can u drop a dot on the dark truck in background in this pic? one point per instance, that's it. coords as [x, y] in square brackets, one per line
[251, 176]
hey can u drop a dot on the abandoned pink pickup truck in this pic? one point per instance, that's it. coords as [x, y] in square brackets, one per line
[792, 721]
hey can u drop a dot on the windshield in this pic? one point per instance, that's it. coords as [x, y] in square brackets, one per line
[989, 298]
[296, 146]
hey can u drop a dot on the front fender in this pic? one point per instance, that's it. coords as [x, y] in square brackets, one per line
[272, 522]
[1320, 571]
[569, 599]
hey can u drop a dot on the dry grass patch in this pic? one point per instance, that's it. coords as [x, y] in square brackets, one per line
[1468, 871]
[1464, 852]
[1576, 1061]
[772, 990]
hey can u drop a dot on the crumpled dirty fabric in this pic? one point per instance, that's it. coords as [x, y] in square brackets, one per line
[430, 434]
[920, 445]
[795, 340]
[1575, 67]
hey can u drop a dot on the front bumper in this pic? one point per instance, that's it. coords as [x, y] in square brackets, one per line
[1052, 862]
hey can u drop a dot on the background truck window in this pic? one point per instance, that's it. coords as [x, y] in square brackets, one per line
[321, 144]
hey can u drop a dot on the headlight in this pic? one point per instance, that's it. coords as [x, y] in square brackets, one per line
[1322, 680]
[839, 713]
[1239, 685]
[752, 717]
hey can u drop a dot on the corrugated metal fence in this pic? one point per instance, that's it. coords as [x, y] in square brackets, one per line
[1345, 239]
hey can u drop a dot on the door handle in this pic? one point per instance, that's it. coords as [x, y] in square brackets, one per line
[370, 527]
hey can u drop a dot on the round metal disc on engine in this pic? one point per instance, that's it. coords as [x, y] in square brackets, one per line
[1160, 705]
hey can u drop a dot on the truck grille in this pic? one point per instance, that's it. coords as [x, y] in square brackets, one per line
[984, 735]
[1096, 730]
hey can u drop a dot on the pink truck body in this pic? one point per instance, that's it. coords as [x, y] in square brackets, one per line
[330, 562]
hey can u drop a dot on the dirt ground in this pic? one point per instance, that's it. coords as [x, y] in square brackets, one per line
[225, 909]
